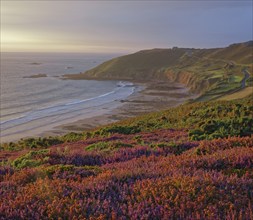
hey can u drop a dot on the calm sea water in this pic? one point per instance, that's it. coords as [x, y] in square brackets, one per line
[30, 103]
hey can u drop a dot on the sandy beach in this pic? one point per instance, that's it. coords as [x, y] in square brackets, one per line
[148, 97]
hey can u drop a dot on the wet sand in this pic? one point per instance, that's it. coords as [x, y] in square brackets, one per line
[149, 97]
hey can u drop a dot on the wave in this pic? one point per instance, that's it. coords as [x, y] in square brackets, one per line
[54, 108]
[124, 84]
[20, 105]
[85, 100]
[13, 119]
[58, 109]
[51, 122]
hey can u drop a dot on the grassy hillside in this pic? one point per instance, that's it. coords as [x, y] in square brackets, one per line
[238, 53]
[194, 161]
[211, 72]
[136, 66]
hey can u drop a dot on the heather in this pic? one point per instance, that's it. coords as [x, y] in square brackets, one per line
[138, 180]
[194, 161]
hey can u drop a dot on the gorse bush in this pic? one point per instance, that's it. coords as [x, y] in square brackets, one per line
[31, 143]
[118, 129]
[212, 129]
[31, 159]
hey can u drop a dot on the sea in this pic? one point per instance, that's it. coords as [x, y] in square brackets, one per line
[29, 103]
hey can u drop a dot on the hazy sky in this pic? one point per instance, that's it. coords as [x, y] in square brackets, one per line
[122, 26]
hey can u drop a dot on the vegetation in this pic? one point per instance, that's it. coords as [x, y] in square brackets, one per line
[194, 161]
[34, 143]
[202, 120]
[31, 159]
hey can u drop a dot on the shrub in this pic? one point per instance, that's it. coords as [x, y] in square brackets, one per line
[119, 130]
[31, 159]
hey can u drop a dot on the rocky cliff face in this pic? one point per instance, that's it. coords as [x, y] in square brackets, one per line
[189, 79]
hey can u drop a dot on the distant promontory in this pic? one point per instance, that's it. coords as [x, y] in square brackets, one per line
[40, 75]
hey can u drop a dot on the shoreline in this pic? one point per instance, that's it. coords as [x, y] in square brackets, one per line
[147, 97]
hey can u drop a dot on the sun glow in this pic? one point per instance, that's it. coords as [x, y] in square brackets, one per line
[20, 41]
[15, 40]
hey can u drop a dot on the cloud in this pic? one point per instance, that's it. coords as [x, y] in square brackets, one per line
[125, 25]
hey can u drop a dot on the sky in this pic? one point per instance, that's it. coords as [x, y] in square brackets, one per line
[122, 26]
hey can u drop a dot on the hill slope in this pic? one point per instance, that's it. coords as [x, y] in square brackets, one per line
[152, 167]
[194, 161]
[144, 63]
[201, 70]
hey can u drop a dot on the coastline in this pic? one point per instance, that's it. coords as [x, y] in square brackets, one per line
[147, 97]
